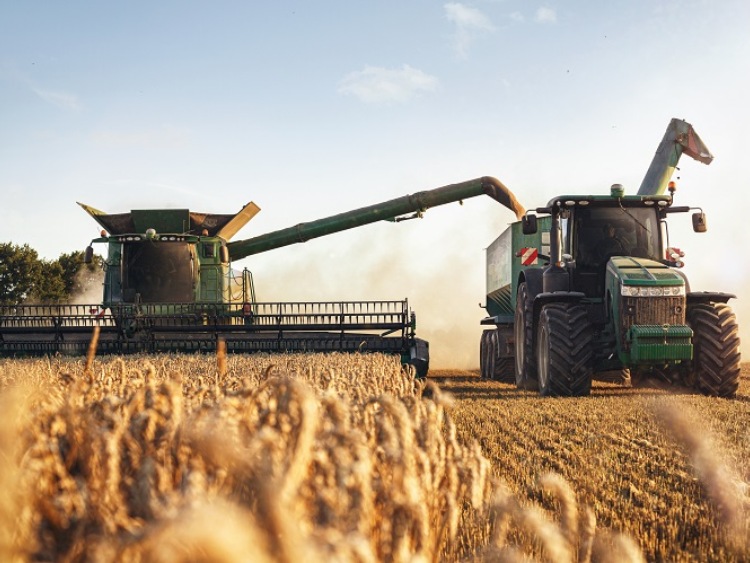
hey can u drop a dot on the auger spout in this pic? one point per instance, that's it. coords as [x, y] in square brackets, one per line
[385, 211]
[680, 137]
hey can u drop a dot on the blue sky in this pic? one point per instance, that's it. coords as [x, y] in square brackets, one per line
[313, 108]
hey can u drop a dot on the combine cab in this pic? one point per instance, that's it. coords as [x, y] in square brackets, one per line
[169, 286]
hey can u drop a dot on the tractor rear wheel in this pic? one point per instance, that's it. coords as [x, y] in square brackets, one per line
[716, 349]
[564, 351]
[525, 364]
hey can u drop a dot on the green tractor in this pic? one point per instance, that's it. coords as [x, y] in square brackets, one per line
[589, 284]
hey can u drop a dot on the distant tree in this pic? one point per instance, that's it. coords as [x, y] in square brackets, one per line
[19, 270]
[50, 284]
[25, 278]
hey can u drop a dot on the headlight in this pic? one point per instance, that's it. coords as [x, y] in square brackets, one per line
[652, 290]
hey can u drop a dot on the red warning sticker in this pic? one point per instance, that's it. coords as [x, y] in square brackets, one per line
[529, 256]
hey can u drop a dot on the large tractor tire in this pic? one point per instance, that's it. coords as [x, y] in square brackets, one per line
[564, 351]
[525, 364]
[716, 349]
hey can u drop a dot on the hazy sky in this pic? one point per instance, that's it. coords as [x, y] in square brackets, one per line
[313, 108]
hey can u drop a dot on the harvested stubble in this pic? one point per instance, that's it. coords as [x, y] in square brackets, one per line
[260, 458]
[665, 466]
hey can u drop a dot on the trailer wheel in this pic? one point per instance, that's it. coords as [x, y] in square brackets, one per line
[564, 350]
[716, 349]
[491, 364]
[505, 365]
[525, 364]
[484, 355]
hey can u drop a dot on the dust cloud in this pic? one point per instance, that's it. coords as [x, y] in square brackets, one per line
[436, 263]
[88, 287]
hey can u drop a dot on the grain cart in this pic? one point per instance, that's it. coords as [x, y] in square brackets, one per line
[589, 284]
[169, 286]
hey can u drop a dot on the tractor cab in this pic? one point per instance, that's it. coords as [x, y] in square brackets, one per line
[595, 234]
[586, 232]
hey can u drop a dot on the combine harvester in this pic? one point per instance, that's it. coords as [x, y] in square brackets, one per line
[589, 284]
[169, 286]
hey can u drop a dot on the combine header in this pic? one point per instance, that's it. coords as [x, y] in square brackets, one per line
[169, 286]
[590, 284]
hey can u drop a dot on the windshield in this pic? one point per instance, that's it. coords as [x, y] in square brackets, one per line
[159, 272]
[603, 232]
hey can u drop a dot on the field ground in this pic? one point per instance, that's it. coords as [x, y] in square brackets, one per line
[348, 458]
[642, 472]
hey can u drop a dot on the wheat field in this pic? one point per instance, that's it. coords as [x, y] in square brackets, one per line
[348, 458]
[663, 466]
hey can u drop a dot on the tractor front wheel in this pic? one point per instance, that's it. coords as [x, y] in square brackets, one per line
[716, 349]
[564, 351]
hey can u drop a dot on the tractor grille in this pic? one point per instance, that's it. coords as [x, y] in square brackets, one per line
[650, 311]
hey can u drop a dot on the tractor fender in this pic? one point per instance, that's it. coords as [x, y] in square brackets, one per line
[533, 279]
[698, 297]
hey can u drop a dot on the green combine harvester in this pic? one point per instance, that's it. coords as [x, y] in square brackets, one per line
[169, 286]
[589, 285]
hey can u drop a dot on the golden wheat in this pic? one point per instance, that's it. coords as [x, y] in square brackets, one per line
[349, 458]
[309, 457]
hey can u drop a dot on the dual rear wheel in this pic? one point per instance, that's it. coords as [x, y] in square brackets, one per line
[560, 363]
[563, 350]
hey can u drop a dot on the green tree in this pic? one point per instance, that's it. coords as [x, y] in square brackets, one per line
[50, 284]
[19, 270]
[24, 277]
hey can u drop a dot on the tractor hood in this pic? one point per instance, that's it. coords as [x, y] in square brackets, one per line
[643, 273]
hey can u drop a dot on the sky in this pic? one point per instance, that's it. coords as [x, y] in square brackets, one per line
[314, 108]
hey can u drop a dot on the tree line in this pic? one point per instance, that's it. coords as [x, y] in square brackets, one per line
[26, 278]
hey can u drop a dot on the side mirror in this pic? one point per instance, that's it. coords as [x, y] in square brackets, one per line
[699, 222]
[88, 256]
[528, 224]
